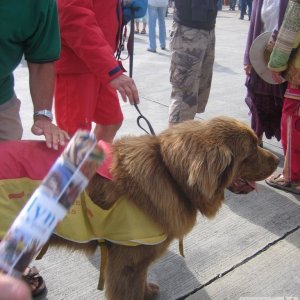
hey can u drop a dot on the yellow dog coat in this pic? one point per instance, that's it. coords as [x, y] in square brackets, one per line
[123, 224]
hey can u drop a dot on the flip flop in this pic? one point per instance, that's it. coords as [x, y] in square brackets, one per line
[277, 181]
[35, 281]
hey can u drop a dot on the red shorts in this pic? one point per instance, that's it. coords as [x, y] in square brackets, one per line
[81, 99]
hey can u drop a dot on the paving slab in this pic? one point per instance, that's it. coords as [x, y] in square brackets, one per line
[251, 248]
[271, 274]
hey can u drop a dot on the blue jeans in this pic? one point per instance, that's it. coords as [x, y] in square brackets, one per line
[219, 4]
[157, 13]
[244, 4]
[232, 4]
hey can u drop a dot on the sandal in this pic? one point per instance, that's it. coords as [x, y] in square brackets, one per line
[143, 31]
[35, 281]
[137, 31]
[277, 181]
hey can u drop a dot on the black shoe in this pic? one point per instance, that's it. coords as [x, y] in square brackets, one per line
[151, 50]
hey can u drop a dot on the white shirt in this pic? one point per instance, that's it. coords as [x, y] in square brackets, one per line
[158, 3]
[269, 15]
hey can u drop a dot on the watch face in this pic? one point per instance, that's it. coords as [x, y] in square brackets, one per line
[48, 114]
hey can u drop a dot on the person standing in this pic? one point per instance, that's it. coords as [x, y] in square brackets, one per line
[285, 59]
[232, 5]
[220, 5]
[144, 21]
[29, 28]
[246, 7]
[263, 99]
[192, 43]
[157, 12]
[88, 74]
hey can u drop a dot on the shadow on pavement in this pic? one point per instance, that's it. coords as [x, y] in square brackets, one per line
[170, 270]
[274, 210]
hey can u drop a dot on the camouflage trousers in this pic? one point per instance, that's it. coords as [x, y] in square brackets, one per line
[193, 54]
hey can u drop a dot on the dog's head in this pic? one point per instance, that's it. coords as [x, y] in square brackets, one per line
[205, 157]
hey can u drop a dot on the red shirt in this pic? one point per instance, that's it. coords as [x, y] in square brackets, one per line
[90, 31]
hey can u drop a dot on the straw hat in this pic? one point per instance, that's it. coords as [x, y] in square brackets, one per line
[259, 55]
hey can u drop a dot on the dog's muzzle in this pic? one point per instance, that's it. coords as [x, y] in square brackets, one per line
[241, 186]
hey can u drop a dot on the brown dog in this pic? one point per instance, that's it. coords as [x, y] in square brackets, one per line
[170, 177]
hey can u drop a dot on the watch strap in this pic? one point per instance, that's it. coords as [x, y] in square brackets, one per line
[45, 113]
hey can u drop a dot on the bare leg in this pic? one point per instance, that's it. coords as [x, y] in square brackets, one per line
[144, 28]
[106, 132]
[137, 27]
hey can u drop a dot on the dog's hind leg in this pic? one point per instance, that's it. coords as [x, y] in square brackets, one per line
[126, 272]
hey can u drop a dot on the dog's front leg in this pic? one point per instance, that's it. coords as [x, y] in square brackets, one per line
[126, 273]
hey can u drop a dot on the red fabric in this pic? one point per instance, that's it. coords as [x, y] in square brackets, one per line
[31, 159]
[104, 169]
[89, 33]
[81, 99]
[292, 92]
[290, 135]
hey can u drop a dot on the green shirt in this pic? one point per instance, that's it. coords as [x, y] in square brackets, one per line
[28, 27]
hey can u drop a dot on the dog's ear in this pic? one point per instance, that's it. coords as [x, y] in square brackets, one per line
[211, 170]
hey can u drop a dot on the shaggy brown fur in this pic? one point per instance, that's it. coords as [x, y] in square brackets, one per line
[171, 177]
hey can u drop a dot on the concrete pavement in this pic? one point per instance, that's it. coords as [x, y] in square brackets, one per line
[250, 250]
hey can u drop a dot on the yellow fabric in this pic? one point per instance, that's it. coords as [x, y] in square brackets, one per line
[103, 263]
[123, 224]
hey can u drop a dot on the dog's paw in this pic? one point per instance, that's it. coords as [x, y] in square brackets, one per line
[152, 290]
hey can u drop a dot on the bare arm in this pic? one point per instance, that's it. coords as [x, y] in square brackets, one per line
[126, 87]
[13, 289]
[41, 82]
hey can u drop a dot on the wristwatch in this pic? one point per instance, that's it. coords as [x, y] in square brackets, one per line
[45, 113]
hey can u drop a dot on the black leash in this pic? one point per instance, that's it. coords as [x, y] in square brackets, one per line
[141, 117]
[131, 50]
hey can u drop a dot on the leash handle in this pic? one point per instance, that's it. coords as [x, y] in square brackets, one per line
[141, 117]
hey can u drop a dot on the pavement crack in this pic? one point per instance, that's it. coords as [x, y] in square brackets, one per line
[246, 260]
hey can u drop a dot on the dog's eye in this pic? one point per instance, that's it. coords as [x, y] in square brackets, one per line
[251, 157]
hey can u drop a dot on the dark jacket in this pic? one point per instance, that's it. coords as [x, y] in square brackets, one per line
[199, 14]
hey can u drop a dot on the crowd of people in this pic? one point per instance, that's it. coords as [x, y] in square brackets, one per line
[70, 49]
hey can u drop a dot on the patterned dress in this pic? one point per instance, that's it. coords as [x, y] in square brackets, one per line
[264, 100]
